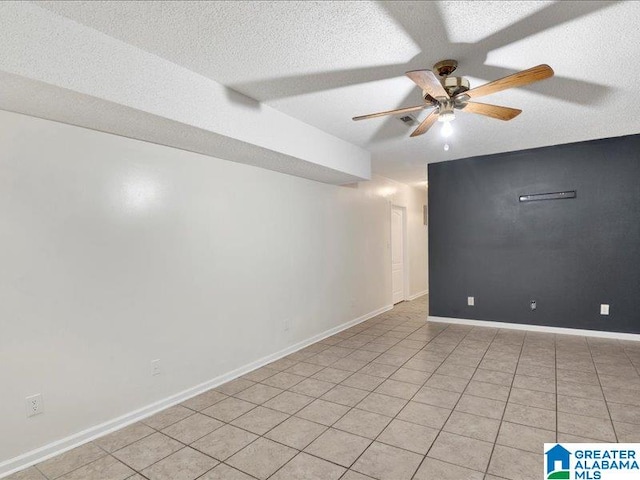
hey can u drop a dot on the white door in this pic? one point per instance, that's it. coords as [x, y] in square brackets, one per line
[397, 254]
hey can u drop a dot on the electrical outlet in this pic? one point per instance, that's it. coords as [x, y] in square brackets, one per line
[471, 301]
[155, 367]
[34, 405]
[287, 325]
[604, 309]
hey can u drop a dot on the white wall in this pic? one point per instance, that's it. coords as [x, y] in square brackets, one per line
[115, 252]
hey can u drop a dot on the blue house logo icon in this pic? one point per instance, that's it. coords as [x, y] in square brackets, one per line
[558, 462]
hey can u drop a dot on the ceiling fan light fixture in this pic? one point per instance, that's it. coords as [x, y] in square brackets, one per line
[446, 117]
[446, 130]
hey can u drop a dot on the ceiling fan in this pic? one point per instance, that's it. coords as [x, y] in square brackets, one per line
[446, 94]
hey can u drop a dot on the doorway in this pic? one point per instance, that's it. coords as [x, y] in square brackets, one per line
[398, 253]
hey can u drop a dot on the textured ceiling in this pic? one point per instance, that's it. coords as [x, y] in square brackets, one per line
[324, 62]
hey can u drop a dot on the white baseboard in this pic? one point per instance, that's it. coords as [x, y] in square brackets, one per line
[537, 328]
[60, 446]
[417, 295]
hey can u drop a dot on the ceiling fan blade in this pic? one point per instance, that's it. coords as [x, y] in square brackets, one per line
[426, 124]
[519, 79]
[493, 111]
[428, 82]
[392, 112]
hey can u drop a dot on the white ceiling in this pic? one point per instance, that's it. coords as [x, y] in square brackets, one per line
[324, 62]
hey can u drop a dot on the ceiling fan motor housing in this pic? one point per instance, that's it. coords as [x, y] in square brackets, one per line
[452, 85]
[455, 85]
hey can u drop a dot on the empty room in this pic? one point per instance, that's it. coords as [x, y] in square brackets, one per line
[319, 240]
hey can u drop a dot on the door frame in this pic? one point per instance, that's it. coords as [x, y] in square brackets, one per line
[405, 252]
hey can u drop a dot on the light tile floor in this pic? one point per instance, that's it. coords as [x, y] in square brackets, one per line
[393, 398]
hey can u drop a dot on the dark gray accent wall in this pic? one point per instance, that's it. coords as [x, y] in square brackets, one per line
[568, 255]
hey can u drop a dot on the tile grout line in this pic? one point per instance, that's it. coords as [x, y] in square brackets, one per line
[555, 364]
[409, 400]
[459, 398]
[354, 407]
[370, 392]
[106, 454]
[606, 404]
[506, 404]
